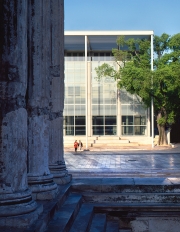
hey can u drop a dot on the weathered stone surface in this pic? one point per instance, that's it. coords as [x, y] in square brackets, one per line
[15, 197]
[14, 151]
[42, 186]
[152, 224]
[38, 138]
[56, 156]
[39, 55]
[56, 153]
[39, 177]
[31, 97]
[24, 220]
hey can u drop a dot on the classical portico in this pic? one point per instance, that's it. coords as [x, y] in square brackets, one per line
[31, 107]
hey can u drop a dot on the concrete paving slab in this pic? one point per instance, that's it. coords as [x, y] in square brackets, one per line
[124, 163]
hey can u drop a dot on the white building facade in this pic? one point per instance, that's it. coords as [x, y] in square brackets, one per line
[98, 108]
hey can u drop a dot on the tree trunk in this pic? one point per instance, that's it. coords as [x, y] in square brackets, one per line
[162, 136]
[162, 133]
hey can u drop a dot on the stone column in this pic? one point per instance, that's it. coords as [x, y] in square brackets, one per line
[56, 153]
[17, 209]
[40, 179]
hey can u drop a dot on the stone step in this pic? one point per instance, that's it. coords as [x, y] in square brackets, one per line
[112, 226]
[107, 138]
[83, 220]
[125, 230]
[69, 141]
[71, 145]
[107, 141]
[98, 223]
[49, 209]
[119, 144]
[132, 197]
[64, 217]
[137, 208]
[126, 185]
[117, 174]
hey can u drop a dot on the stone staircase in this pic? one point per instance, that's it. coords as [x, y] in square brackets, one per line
[77, 215]
[117, 205]
[108, 141]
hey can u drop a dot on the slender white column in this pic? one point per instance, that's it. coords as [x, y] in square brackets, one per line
[86, 83]
[119, 121]
[152, 102]
[119, 126]
[148, 122]
[89, 87]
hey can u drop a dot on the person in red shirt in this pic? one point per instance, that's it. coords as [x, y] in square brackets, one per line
[76, 145]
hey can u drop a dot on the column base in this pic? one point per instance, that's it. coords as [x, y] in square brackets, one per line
[18, 209]
[60, 174]
[62, 179]
[42, 187]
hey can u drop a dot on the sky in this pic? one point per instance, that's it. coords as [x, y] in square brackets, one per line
[160, 16]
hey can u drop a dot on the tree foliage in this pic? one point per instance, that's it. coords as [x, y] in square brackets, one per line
[135, 75]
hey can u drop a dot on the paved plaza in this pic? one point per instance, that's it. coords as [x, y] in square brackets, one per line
[156, 162]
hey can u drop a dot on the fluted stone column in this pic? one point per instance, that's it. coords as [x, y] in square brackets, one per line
[17, 209]
[40, 179]
[56, 155]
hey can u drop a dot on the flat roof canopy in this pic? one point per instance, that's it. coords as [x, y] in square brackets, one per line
[99, 40]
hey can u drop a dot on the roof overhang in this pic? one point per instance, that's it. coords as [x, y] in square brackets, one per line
[99, 40]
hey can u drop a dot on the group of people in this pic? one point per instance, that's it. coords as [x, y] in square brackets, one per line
[77, 145]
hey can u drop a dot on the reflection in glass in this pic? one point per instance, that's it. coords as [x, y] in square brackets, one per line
[98, 120]
[110, 120]
[127, 120]
[126, 98]
[127, 130]
[110, 130]
[140, 130]
[98, 130]
[69, 120]
[68, 130]
[133, 130]
[80, 130]
[139, 120]
[80, 120]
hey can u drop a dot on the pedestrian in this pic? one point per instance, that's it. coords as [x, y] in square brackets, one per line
[76, 145]
[80, 144]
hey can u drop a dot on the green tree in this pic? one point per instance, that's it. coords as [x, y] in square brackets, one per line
[136, 77]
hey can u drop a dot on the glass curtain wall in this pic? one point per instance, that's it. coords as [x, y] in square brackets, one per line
[133, 115]
[74, 105]
[104, 104]
[104, 101]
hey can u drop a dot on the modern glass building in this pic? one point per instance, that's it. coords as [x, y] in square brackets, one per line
[98, 108]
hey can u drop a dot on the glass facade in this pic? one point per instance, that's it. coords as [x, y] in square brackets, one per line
[109, 112]
[133, 115]
[74, 104]
[104, 102]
